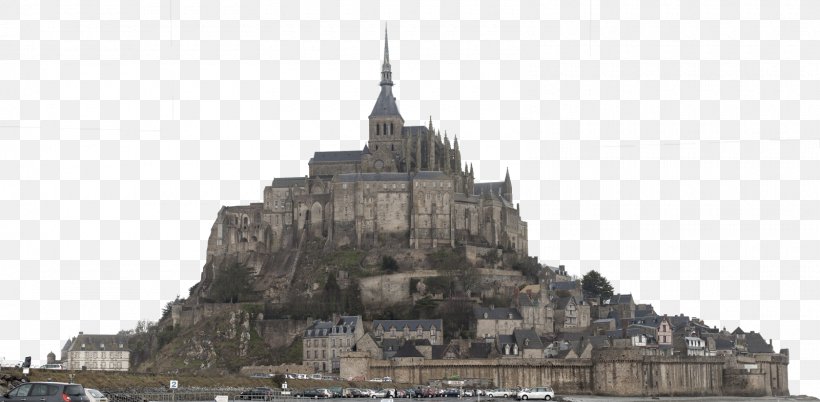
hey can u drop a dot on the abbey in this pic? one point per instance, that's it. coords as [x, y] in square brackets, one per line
[406, 188]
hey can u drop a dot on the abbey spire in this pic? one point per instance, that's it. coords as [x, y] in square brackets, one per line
[387, 142]
[386, 103]
[387, 78]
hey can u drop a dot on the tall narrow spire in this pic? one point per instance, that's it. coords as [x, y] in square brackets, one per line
[387, 78]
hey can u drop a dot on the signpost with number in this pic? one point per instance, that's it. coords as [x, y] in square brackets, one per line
[174, 384]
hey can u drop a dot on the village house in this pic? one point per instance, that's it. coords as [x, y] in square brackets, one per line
[431, 330]
[98, 352]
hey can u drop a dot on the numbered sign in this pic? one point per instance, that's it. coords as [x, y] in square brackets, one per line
[174, 384]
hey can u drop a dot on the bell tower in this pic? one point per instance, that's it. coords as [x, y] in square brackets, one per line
[385, 122]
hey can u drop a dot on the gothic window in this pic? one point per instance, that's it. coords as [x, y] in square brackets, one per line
[385, 129]
[392, 147]
[391, 128]
[377, 128]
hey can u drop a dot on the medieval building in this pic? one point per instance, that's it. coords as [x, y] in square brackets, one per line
[406, 187]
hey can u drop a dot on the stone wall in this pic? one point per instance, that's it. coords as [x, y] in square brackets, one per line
[185, 316]
[742, 382]
[614, 371]
[565, 376]
[623, 371]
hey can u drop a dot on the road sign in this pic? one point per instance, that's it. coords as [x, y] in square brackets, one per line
[174, 384]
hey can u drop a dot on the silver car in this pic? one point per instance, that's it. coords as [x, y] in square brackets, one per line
[545, 393]
[46, 392]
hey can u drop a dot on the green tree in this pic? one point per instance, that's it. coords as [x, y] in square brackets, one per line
[231, 284]
[389, 264]
[594, 284]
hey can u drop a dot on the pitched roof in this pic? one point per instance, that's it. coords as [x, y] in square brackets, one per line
[497, 313]
[412, 325]
[562, 302]
[285, 182]
[391, 344]
[408, 350]
[345, 325]
[93, 342]
[386, 104]
[336, 156]
[724, 344]
[679, 320]
[527, 339]
[599, 341]
[738, 331]
[505, 340]
[621, 299]
[491, 187]
[756, 344]
[438, 351]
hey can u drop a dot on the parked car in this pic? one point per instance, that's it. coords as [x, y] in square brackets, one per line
[257, 394]
[261, 375]
[450, 393]
[379, 393]
[545, 393]
[427, 392]
[500, 393]
[95, 396]
[46, 392]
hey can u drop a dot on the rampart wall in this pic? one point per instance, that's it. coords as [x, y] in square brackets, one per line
[614, 371]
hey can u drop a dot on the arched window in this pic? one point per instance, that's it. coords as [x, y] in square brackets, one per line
[385, 129]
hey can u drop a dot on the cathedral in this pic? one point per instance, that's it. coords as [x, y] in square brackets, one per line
[406, 188]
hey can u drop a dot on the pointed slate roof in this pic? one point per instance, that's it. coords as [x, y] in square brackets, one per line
[621, 299]
[408, 350]
[756, 344]
[386, 102]
[527, 339]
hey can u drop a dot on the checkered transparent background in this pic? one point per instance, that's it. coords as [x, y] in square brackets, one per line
[673, 145]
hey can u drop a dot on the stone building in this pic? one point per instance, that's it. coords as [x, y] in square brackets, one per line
[408, 186]
[570, 314]
[431, 330]
[98, 352]
[536, 311]
[490, 322]
[325, 341]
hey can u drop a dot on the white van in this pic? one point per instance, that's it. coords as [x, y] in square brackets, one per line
[52, 366]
